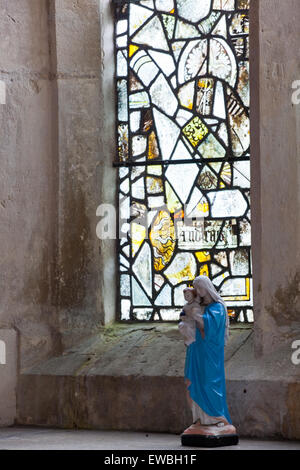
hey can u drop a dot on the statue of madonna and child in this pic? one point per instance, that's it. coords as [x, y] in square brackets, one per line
[204, 325]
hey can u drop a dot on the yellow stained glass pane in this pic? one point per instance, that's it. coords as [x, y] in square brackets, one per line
[153, 151]
[154, 185]
[162, 237]
[231, 312]
[195, 131]
[182, 268]
[203, 256]
[179, 214]
[132, 49]
[203, 208]
[138, 234]
[205, 84]
[204, 270]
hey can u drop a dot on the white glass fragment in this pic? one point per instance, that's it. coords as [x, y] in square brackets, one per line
[164, 61]
[144, 67]
[139, 144]
[125, 208]
[179, 299]
[152, 35]
[193, 60]
[138, 15]
[122, 41]
[221, 28]
[186, 95]
[211, 148]
[164, 297]
[162, 96]
[245, 233]
[142, 268]
[193, 11]
[219, 279]
[164, 5]
[198, 205]
[156, 201]
[139, 297]
[125, 309]
[167, 132]
[122, 100]
[125, 285]
[227, 203]
[139, 100]
[135, 119]
[121, 27]
[121, 65]
[239, 262]
[176, 48]
[178, 175]
[171, 314]
[183, 116]
[223, 5]
[148, 3]
[241, 174]
[142, 313]
[138, 189]
[222, 62]
[185, 31]
[219, 109]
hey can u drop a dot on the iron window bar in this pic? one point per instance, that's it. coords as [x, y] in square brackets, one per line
[131, 163]
[122, 2]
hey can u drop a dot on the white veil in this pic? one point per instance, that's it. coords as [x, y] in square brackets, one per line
[207, 284]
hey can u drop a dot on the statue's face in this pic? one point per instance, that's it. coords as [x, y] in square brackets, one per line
[188, 295]
[201, 290]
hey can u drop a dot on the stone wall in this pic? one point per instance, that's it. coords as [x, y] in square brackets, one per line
[83, 162]
[56, 170]
[85, 120]
[275, 195]
[29, 175]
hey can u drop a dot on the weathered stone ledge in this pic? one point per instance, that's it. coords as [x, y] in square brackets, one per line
[123, 377]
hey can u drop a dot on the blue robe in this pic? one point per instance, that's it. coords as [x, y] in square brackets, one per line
[204, 364]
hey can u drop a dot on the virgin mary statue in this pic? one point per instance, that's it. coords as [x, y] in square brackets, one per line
[205, 328]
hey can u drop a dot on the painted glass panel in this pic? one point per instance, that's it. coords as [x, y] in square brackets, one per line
[182, 85]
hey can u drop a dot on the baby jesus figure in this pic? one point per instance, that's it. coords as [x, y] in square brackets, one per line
[191, 316]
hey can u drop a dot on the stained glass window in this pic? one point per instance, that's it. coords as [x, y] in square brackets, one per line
[183, 154]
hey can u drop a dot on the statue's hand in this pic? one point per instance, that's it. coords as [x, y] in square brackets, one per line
[182, 314]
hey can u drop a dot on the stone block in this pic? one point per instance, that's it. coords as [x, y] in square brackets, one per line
[78, 37]
[8, 376]
[24, 36]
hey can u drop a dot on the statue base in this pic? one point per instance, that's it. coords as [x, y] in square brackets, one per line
[201, 440]
[215, 435]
